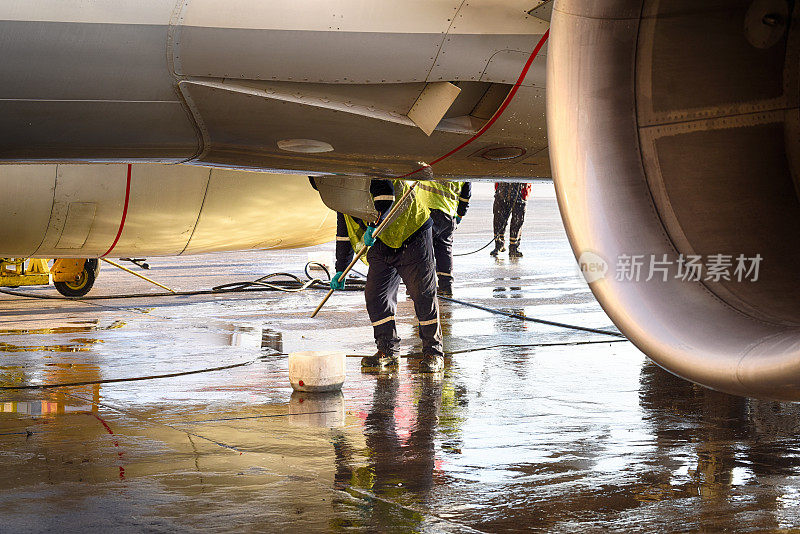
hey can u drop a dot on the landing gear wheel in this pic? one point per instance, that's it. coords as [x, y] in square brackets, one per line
[83, 284]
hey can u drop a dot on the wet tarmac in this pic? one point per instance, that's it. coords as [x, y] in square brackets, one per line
[530, 427]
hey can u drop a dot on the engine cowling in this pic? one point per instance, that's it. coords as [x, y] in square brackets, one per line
[673, 131]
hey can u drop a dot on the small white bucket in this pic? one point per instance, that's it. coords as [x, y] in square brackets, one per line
[317, 370]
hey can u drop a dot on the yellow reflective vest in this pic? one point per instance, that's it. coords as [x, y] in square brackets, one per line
[405, 223]
[442, 196]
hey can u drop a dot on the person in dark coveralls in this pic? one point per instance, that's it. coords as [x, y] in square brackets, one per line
[404, 250]
[448, 202]
[509, 199]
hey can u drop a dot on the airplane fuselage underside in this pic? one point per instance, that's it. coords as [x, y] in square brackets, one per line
[196, 81]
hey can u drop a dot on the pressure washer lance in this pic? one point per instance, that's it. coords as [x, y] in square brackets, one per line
[399, 206]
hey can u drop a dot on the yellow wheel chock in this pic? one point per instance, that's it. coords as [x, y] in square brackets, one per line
[13, 272]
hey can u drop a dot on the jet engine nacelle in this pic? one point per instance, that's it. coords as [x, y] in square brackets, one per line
[674, 133]
[86, 211]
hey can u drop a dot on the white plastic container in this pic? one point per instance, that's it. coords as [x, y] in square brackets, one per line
[317, 370]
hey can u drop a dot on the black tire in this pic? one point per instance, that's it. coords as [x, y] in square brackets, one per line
[84, 284]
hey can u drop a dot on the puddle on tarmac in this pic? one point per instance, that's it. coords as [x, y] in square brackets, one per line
[554, 439]
[93, 326]
[79, 345]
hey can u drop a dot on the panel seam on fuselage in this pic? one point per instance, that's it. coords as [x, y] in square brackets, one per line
[199, 213]
[444, 36]
[52, 207]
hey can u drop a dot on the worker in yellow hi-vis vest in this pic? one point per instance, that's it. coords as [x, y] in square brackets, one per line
[403, 251]
[448, 202]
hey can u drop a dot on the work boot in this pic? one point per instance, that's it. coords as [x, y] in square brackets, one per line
[498, 248]
[379, 359]
[431, 363]
[513, 252]
[445, 290]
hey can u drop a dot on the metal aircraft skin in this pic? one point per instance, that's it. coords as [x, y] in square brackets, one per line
[676, 135]
[149, 210]
[672, 128]
[224, 83]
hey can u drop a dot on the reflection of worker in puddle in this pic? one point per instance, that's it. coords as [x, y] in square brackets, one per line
[508, 292]
[400, 430]
[401, 441]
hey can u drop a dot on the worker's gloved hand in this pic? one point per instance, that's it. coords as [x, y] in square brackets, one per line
[368, 239]
[458, 220]
[337, 282]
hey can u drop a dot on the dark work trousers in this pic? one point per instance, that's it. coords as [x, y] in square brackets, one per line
[443, 227]
[508, 201]
[414, 264]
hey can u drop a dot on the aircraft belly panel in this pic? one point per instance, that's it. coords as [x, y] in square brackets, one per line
[311, 56]
[505, 66]
[384, 16]
[165, 201]
[84, 61]
[343, 41]
[77, 225]
[90, 12]
[242, 126]
[103, 186]
[467, 57]
[93, 130]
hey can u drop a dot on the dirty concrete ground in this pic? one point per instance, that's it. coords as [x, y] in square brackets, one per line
[530, 427]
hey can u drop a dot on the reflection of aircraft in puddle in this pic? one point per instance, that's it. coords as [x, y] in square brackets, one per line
[43, 408]
[659, 170]
[74, 327]
[78, 344]
[187, 460]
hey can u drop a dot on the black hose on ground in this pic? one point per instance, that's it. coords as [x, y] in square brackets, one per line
[533, 319]
[295, 285]
[475, 251]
